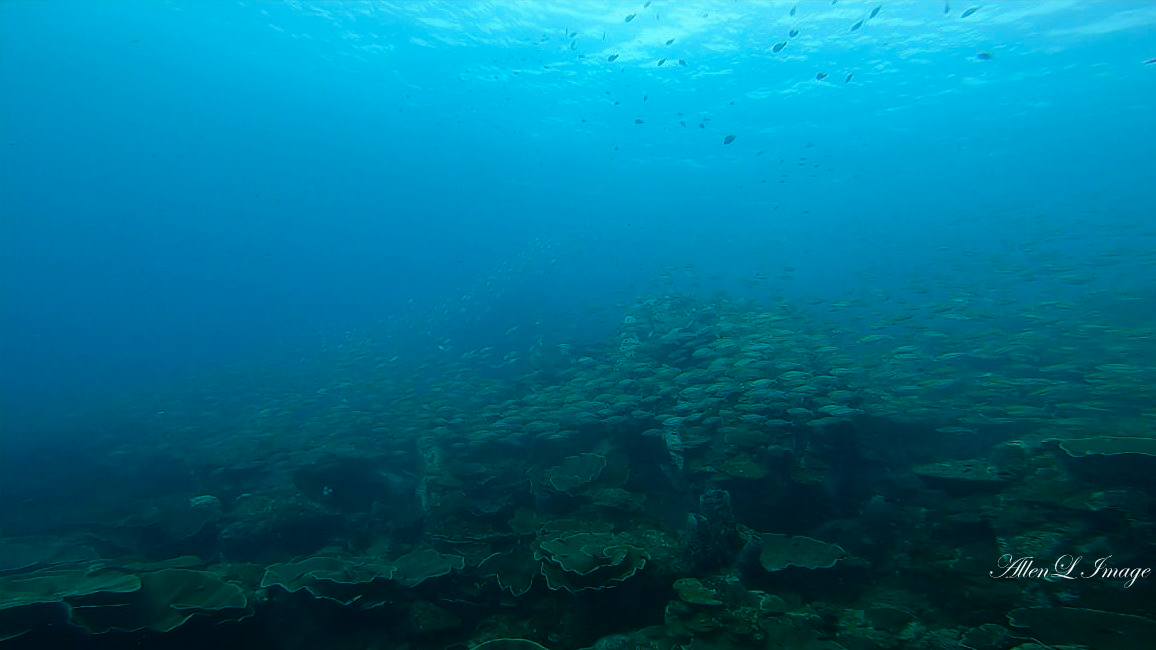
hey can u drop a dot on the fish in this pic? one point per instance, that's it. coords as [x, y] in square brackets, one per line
[1150, 61]
[669, 42]
[984, 56]
[821, 76]
[682, 122]
[946, 8]
[646, 5]
[793, 9]
[644, 97]
[793, 33]
[729, 139]
[660, 62]
[639, 122]
[848, 79]
[630, 17]
[779, 47]
[612, 57]
[969, 12]
[573, 44]
[874, 12]
[682, 62]
[856, 26]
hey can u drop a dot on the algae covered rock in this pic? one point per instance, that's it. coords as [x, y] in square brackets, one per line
[1085, 627]
[166, 599]
[586, 560]
[960, 477]
[509, 644]
[782, 551]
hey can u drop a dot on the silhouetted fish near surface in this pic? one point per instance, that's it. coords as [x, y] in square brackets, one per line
[660, 62]
[670, 41]
[946, 8]
[848, 79]
[1150, 61]
[969, 12]
[638, 122]
[874, 12]
[821, 76]
[646, 5]
[779, 47]
[984, 56]
[630, 17]
[793, 9]
[856, 26]
[793, 33]
[682, 62]
[612, 57]
[729, 139]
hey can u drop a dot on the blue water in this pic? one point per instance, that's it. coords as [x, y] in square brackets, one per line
[189, 187]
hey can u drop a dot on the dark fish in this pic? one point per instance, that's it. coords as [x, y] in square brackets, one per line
[793, 9]
[644, 97]
[856, 26]
[1150, 61]
[670, 41]
[984, 56]
[682, 62]
[848, 79]
[638, 122]
[874, 12]
[573, 34]
[646, 5]
[729, 139]
[969, 12]
[630, 17]
[946, 8]
[701, 125]
[573, 44]
[779, 47]
[660, 62]
[793, 33]
[612, 57]
[821, 76]
[682, 122]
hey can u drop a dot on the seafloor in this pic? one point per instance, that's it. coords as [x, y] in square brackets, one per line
[716, 474]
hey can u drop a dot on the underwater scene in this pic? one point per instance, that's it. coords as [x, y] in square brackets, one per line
[589, 324]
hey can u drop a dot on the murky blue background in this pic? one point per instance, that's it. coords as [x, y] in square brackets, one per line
[189, 187]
